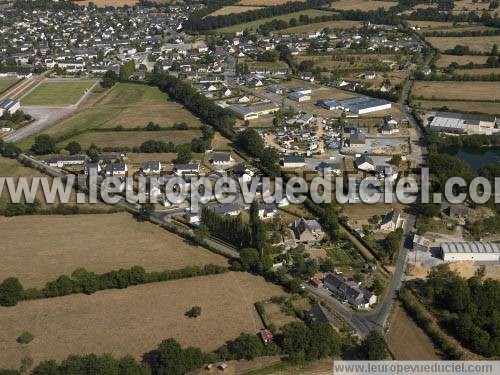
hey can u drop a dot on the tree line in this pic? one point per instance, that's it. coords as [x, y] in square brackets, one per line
[83, 281]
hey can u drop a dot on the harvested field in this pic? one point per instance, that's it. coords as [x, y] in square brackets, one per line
[341, 24]
[406, 340]
[57, 93]
[131, 139]
[363, 5]
[430, 24]
[467, 269]
[5, 83]
[445, 60]
[285, 17]
[468, 6]
[55, 245]
[135, 320]
[478, 72]
[456, 90]
[475, 43]
[480, 107]
[232, 9]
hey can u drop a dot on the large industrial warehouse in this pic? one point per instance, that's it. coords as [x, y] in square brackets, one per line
[473, 250]
[358, 105]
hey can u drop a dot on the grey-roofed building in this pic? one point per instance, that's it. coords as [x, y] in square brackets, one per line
[471, 250]
[152, 166]
[294, 161]
[365, 163]
[9, 105]
[362, 104]
[61, 161]
[307, 231]
[463, 123]
[231, 209]
[253, 111]
[222, 159]
[350, 290]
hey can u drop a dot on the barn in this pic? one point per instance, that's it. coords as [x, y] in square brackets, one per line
[471, 250]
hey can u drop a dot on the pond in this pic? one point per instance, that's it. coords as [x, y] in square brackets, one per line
[477, 157]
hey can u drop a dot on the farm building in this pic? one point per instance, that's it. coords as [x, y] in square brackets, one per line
[472, 250]
[462, 123]
[253, 111]
[61, 161]
[9, 105]
[299, 97]
[294, 161]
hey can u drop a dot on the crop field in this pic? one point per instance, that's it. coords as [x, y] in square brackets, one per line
[285, 17]
[406, 340]
[436, 90]
[57, 93]
[55, 245]
[5, 83]
[445, 60]
[126, 105]
[340, 24]
[232, 9]
[133, 138]
[135, 320]
[363, 5]
[477, 43]
[480, 107]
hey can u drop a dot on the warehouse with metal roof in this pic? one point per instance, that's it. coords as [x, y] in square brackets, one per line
[471, 250]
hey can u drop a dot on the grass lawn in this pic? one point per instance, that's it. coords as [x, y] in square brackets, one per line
[57, 93]
[340, 24]
[5, 83]
[81, 242]
[285, 17]
[362, 5]
[135, 320]
[480, 107]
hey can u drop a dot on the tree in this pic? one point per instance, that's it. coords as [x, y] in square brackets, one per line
[109, 79]
[374, 346]
[184, 154]
[44, 144]
[194, 312]
[25, 337]
[245, 346]
[171, 359]
[396, 160]
[295, 341]
[11, 292]
[377, 287]
[46, 368]
[126, 70]
[73, 148]
[250, 259]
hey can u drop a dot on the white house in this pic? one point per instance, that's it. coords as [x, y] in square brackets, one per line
[392, 221]
[365, 163]
[152, 167]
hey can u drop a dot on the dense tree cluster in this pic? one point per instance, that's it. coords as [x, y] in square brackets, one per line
[228, 228]
[470, 308]
[392, 244]
[206, 109]
[251, 141]
[374, 347]
[109, 79]
[44, 144]
[8, 149]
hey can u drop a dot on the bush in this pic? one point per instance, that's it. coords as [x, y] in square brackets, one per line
[11, 292]
[194, 312]
[25, 338]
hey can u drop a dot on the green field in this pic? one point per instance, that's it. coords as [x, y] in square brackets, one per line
[57, 93]
[285, 17]
[133, 138]
[127, 105]
[5, 83]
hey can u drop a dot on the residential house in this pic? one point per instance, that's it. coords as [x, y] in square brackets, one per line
[222, 160]
[189, 168]
[349, 290]
[152, 167]
[307, 231]
[365, 163]
[392, 221]
[116, 169]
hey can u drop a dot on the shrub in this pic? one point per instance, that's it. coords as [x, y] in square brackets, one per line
[25, 337]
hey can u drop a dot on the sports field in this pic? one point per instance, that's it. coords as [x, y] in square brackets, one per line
[55, 245]
[363, 5]
[57, 93]
[475, 43]
[456, 90]
[285, 17]
[135, 320]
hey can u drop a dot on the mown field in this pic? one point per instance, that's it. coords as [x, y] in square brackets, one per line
[406, 340]
[125, 105]
[135, 320]
[133, 138]
[481, 107]
[445, 60]
[56, 93]
[232, 9]
[477, 43]
[363, 5]
[456, 90]
[340, 24]
[285, 17]
[351, 61]
[5, 83]
[264, 3]
[55, 245]
[478, 72]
